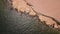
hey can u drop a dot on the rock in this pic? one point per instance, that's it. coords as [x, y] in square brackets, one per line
[22, 6]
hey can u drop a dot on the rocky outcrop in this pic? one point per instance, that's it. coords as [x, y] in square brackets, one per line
[23, 6]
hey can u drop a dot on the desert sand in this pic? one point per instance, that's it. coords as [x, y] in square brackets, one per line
[47, 7]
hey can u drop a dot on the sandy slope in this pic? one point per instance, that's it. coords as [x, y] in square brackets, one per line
[48, 7]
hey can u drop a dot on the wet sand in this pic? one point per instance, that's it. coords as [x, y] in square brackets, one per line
[47, 7]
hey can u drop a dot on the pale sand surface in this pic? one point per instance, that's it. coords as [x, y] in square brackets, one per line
[47, 7]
